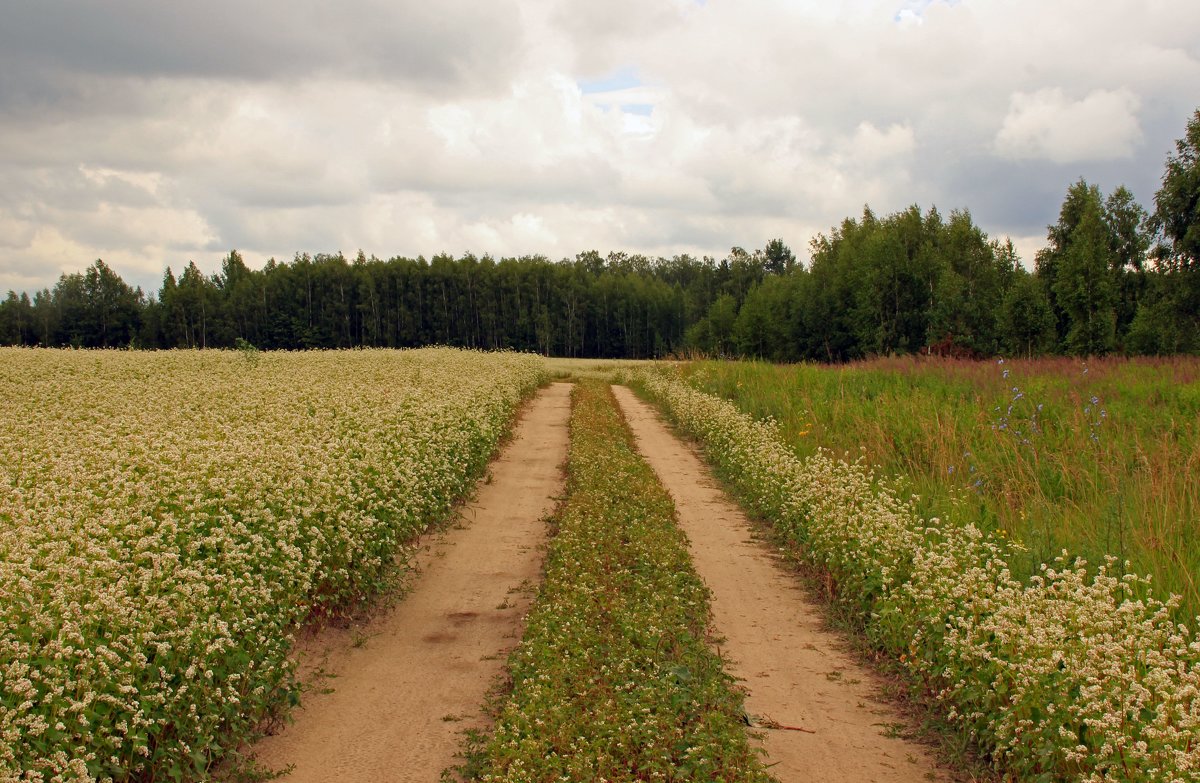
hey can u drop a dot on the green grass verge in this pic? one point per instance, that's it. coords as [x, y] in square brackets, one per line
[614, 679]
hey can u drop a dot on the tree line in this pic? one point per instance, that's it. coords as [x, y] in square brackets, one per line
[1113, 278]
[615, 306]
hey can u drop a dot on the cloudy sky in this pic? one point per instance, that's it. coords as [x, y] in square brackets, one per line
[150, 133]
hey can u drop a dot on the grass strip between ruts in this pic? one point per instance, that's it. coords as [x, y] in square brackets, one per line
[614, 679]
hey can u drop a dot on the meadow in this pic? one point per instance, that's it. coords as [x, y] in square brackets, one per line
[1099, 458]
[1074, 673]
[168, 520]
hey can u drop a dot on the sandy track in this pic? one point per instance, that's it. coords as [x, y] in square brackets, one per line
[402, 699]
[796, 673]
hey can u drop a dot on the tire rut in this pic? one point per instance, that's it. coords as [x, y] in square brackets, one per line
[407, 686]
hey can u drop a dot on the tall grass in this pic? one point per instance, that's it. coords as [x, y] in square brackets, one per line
[1101, 458]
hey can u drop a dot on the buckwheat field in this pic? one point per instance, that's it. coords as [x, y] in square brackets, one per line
[167, 520]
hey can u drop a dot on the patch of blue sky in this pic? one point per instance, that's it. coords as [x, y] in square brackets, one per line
[914, 10]
[620, 79]
[642, 109]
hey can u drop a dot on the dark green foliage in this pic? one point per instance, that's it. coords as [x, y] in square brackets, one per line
[1177, 203]
[90, 309]
[17, 325]
[1176, 223]
[760, 329]
[1162, 326]
[967, 306]
[1103, 293]
[1084, 289]
[713, 334]
[619, 306]
[1092, 268]
[779, 257]
[1027, 321]
[908, 283]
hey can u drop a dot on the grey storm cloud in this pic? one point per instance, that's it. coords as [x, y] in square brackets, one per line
[441, 45]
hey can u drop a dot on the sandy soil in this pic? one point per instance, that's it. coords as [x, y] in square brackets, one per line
[407, 685]
[797, 673]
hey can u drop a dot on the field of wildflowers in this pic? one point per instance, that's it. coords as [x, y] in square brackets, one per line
[1075, 673]
[1100, 458]
[167, 520]
[613, 679]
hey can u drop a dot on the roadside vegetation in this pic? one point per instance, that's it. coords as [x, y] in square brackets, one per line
[614, 680]
[1100, 458]
[1076, 673]
[167, 520]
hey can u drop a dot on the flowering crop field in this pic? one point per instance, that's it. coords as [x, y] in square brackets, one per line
[167, 520]
[1075, 673]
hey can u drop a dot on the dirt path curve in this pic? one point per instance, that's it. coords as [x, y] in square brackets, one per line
[797, 673]
[402, 699]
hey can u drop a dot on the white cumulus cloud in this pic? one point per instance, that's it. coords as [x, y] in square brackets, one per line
[1103, 125]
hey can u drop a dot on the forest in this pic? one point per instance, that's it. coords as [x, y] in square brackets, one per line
[1112, 278]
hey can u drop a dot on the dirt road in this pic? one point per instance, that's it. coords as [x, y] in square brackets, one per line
[408, 685]
[796, 673]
